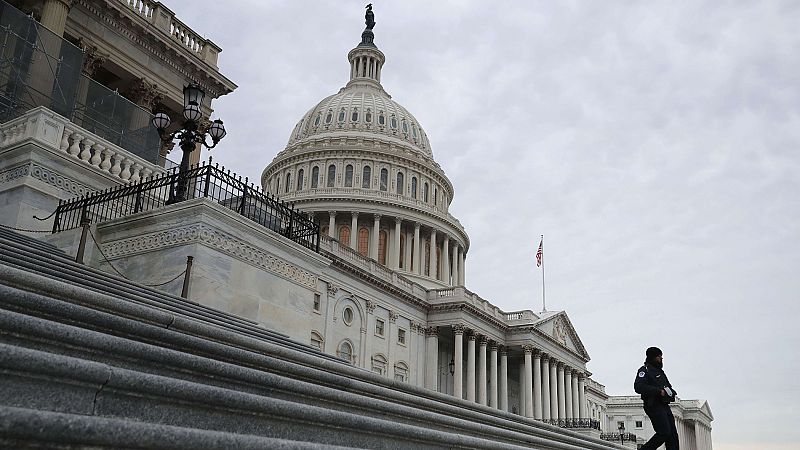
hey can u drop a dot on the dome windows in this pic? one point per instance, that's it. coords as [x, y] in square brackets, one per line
[381, 119]
[400, 183]
[384, 179]
[329, 118]
[368, 116]
[318, 119]
[342, 116]
[300, 179]
[393, 122]
[288, 181]
[348, 176]
[331, 175]
[405, 126]
[354, 116]
[366, 177]
[425, 193]
[315, 177]
[414, 187]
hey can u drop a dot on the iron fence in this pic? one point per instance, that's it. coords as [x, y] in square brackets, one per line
[626, 437]
[574, 423]
[206, 181]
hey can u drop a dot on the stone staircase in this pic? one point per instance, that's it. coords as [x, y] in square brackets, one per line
[90, 360]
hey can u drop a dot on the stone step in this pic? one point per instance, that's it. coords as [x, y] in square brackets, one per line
[31, 242]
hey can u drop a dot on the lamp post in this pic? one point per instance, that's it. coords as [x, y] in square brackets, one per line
[189, 134]
[452, 367]
[622, 433]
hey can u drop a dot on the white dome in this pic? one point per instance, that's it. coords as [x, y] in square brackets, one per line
[364, 108]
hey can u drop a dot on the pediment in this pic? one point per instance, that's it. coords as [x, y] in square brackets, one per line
[558, 327]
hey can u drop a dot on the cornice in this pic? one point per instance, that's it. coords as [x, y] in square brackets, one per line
[473, 311]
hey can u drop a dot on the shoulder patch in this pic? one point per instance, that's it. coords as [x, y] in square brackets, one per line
[641, 374]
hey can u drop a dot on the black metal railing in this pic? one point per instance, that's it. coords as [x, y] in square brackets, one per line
[574, 423]
[627, 437]
[206, 181]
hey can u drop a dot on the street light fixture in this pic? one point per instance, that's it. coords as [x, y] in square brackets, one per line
[622, 433]
[189, 134]
[452, 367]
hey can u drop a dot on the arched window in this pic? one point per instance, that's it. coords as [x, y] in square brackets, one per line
[402, 250]
[405, 126]
[382, 247]
[414, 187]
[381, 119]
[393, 122]
[344, 235]
[354, 116]
[411, 264]
[384, 179]
[435, 196]
[425, 193]
[342, 115]
[368, 116]
[317, 341]
[439, 263]
[366, 177]
[363, 241]
[331, 175]
[315, 177]
[379, 364]
[401, 372]
[345, 351]
[277, 185]
[329, 117]
[288, 181]
[348, 175]
[400, 185]
[300, 180]
[317, 120]
[427, 253]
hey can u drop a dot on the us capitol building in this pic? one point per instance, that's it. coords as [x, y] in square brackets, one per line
[326, 306]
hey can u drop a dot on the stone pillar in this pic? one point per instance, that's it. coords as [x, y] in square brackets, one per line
[396, 244]
[446, 263]
[407, 252]
[576, 405]
[332, 224]
[354, 231]
[471, 367]
[522, 388]
[481, 369]
[54, 15]
[458, 358]
[416, 256]
[375, 237]
[568, 392]
[562, 406]
[503, 382]
[553, 390]
[461, 269]
[432, 260]
[432, 358]
[537, 386]
[493, 374]
[582, 396]
[528, 392]
[456, 268]
[546, 388]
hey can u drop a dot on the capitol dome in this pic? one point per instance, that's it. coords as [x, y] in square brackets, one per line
[362, 166]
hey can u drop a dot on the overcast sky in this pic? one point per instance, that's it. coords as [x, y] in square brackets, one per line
[654, 144]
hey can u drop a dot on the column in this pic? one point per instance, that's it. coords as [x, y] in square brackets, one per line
[537, 386]
[461, 269]
[54, 15]
[354, 231]
[546, 388]
[528, 381]
[503, 382]
[522, 388]
[416, 256]
[481, 369]
[432, 261]
[582, 396]
[493, 374]
[458, 357]
[396, 244]
[407, 252]
[568, 392]
[470, 366]
[562, 406]
[374, 237]
[332, 224]
[576, 408]
[446, 262]
[432, 358]
[553, 390]
[456, 270]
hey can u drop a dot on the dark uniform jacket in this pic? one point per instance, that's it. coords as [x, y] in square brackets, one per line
[649, 382]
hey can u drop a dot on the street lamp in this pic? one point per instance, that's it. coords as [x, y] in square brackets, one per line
[189, 134]
[452, 367]
[622, 433]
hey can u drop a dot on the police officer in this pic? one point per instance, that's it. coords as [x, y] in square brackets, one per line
[656, 391]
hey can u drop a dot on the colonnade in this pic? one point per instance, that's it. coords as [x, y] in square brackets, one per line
[550, 390]
[442, 260]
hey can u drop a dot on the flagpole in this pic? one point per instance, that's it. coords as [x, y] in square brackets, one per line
[544, 304]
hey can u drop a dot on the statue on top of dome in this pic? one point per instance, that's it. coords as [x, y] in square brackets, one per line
[370, 17]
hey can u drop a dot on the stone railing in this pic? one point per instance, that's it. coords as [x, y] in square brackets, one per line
[371, 266]
[461, 294]
[524, 316]
[59, 135]
[164, 19]
[390, 197]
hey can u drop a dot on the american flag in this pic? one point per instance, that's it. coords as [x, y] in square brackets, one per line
[539, 254]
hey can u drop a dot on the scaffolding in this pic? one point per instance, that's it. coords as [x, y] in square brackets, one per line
[40, 68]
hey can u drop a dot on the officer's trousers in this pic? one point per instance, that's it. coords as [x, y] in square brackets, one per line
[664, 424]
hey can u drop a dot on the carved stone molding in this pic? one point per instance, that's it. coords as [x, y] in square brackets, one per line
[93, 60]
[393, 316]
[459, 329]
[58, 180]
[218, 240]
[14, 173]
[528, 349]
[482, 340]
[493, 345]
[432, 331]
[144, 93]
[371, 306]
[332, 289]
[471, 336]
